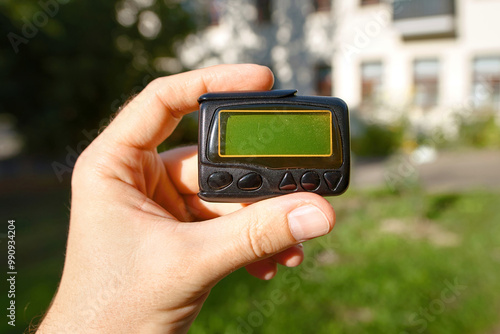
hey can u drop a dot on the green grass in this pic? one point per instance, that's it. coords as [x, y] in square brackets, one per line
[361, 279]
[385, 268]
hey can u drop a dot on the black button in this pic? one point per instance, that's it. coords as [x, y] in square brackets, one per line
[288, 182]
[251, 181]
[310, 181]
[219, 180]
[332, 179]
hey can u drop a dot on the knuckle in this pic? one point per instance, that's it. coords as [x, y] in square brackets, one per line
[87, 167]
[260, 241]
[81, 164]
[155, 84]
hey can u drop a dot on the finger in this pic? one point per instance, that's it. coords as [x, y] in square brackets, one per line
[261, 230]
[207, 210]
[169, 198]
[182, 166]
[152, 116]
[263, 269]
[290, 257]
[267, 268]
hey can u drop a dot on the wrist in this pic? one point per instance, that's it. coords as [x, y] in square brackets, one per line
[62, 318]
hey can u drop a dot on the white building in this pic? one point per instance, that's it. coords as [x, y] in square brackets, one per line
[428, 58]
[437, 56]
[293, 37]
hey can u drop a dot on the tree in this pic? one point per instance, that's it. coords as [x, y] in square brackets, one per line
[66, 66]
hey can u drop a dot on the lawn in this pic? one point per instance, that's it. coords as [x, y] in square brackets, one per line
[407, 263]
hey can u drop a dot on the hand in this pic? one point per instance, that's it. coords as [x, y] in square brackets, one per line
[143, 250]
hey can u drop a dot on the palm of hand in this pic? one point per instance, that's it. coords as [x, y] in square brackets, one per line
[143, 250]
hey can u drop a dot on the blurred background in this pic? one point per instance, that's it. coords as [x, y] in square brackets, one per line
[416, 248]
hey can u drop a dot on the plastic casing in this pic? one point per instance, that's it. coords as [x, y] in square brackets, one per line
[211, 103]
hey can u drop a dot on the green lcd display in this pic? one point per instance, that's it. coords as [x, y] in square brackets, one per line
[265, 133]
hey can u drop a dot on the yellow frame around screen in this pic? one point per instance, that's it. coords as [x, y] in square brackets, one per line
[277, 155]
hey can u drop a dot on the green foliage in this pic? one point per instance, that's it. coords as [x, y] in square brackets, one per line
[481, 132]
[74, 68]
[377, 140]
[440, 204]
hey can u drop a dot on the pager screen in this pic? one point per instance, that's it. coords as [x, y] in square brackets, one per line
[267, 133]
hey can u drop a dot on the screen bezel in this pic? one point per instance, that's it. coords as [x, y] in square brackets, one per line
[333, 161]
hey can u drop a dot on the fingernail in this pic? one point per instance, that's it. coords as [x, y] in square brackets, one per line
[307, 222]
[269, 275]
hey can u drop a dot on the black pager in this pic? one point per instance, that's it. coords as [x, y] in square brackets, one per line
[255, 145]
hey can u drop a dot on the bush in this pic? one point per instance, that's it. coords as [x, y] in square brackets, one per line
[377, 140]
[481, 132]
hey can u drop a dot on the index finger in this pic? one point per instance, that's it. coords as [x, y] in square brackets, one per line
[182, 165]
[152, 116]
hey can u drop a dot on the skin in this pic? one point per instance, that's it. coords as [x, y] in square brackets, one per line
[143, 250]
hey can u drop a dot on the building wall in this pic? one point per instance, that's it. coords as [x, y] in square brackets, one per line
[297, 40]
[368, 33]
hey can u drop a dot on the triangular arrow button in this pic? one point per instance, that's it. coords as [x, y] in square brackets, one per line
[288, 182]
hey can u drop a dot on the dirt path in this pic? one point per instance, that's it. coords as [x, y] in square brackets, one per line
[450, 171]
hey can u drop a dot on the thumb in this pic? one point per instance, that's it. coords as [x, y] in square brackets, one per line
[263, 229]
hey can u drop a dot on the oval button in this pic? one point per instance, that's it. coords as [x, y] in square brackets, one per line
[219, 180]
[251, 181]
[310, 181]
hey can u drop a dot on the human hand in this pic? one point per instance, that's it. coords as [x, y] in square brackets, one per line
[143, 250]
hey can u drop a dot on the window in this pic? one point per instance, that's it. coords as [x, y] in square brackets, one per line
[323, 80]
[486, 82]
[407, 9]
[264, 11]
[369, 2]
[371, 83]
[322, 5]
[426, 82]
[424, 19]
